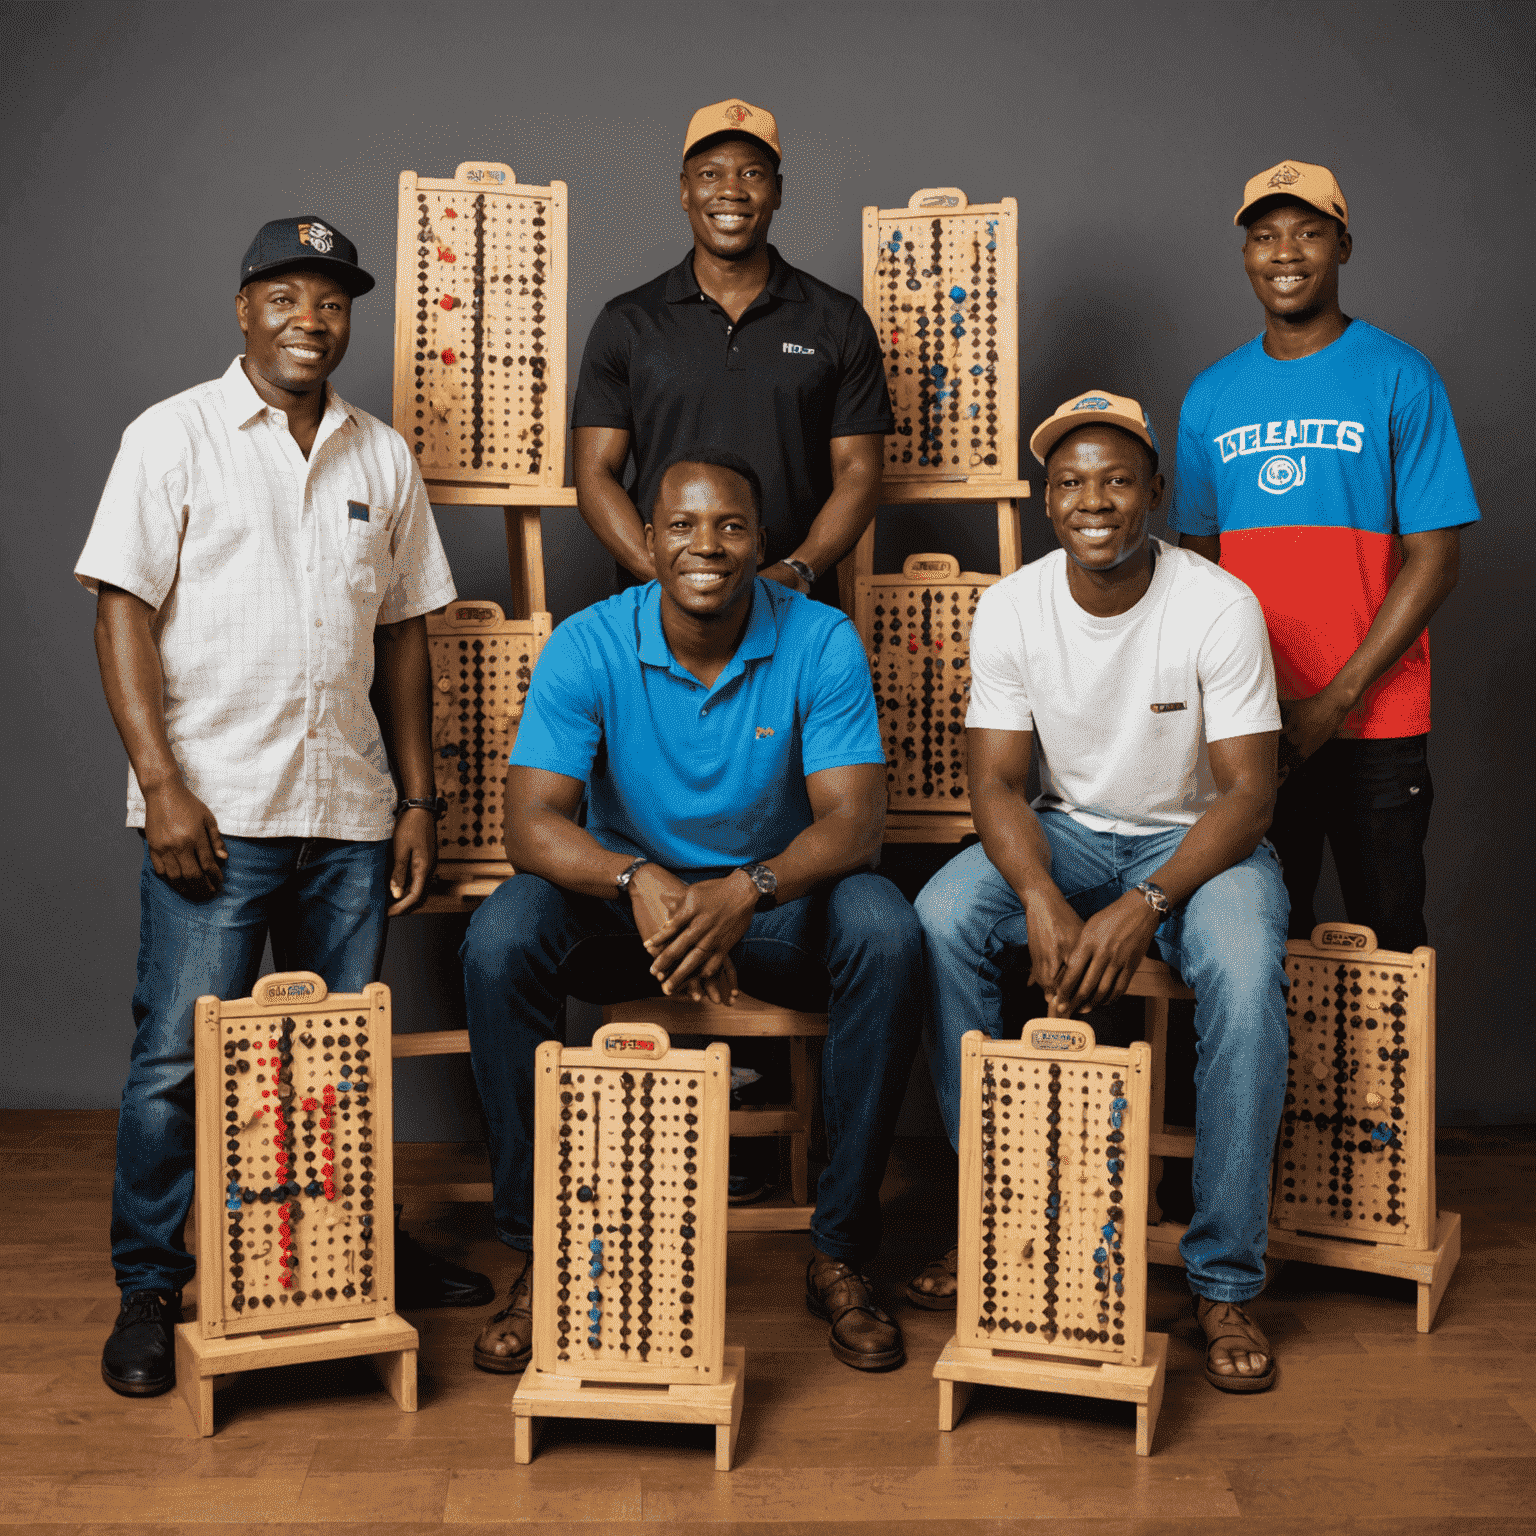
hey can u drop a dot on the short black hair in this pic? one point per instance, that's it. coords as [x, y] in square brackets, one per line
[1250, 216]
[1141, 443]
[725, 135]
[716, 458]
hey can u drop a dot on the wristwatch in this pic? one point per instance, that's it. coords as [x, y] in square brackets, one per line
[436, 805]
[1157, 897]
[802, 570]
[622, 880]
[767, 884]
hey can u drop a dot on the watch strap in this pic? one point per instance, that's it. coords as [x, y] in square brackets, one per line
[436, 805]
[1155, 897]
[622, 880]
[802, 570]
[767, 884]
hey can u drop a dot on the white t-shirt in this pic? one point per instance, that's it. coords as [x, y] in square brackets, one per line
[269, 573]
[1122, 708]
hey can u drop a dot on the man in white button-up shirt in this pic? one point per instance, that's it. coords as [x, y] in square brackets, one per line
[261, 552]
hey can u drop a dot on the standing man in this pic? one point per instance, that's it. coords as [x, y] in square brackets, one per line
[735, 346]
[261, 552]
[723, 729]
[1320, 464]
[1140, 676]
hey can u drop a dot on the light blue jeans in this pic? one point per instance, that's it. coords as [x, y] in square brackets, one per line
[1227, 942]
[323, 903]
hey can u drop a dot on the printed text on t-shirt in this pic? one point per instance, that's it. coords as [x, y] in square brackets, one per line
[1310, 432]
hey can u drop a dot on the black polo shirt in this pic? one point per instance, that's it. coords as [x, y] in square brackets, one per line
[665, 364]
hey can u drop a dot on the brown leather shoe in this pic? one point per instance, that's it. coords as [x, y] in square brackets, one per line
[505, 1344]
[862, 1335]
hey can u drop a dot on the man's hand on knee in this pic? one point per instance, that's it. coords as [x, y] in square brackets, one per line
[1112, 944]
[704, 926]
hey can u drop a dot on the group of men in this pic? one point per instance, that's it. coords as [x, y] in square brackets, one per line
[695, 800]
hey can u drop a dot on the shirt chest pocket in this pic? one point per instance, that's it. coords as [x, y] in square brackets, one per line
[366, 555]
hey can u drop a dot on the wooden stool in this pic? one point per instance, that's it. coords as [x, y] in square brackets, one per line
[1159, 984]
[759, 1020]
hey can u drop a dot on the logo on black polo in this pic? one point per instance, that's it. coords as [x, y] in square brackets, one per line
[799, 351]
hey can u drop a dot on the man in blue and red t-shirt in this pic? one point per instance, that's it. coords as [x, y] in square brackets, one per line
[1320, 464]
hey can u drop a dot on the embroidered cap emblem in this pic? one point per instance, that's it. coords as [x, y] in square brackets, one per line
[1286, 176]
[1092, 403]
[736, 113]
[317, 237]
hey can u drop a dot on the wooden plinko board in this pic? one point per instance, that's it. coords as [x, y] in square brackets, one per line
[480, 322]
[916, 628]
[1357, 1137]
[1053, 1171]
[630, 1211]
[941, 285]
[482, 663]
[294, 1157]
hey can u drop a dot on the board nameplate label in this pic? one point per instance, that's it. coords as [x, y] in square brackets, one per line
[289, 987]
[1072, 1042]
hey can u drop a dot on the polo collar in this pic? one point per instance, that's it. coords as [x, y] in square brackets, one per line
[783, 281]
[758, 643]
[242, 405]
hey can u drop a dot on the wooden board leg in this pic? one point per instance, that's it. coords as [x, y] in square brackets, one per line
[800, 1099]
[525, 1435]
[1447, 1255]
[396, 1368]
[196, 1391]
[953, 1397]
[1146, 1416]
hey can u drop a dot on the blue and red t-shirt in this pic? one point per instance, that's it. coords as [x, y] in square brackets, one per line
[1309, 470]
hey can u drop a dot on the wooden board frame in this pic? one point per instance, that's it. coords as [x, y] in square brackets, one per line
[941, 284]
[466, 349]
[682, 1199]
[482, 663]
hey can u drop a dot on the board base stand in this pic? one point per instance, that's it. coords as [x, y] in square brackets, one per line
[959, 1369]
[203, 1365]
[1430, 1269]
[541, 1396]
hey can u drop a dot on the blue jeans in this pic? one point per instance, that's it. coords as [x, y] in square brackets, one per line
[1227, 942]
[323, 903]
[851, 947]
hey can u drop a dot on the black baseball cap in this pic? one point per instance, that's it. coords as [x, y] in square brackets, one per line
[306, 241]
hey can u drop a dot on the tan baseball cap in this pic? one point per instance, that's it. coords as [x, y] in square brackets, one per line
[1096, 407]
[1314, 184]
[733, 116]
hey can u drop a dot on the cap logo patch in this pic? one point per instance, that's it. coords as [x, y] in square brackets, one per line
[1286, 176]
[317, 237]
[736, 113]
[1092, 403]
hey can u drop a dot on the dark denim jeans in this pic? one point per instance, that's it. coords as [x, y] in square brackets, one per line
[851, 947]
[1227, 942]
[1370, 800]
[323, 903]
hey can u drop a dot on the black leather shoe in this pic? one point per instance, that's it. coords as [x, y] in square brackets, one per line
[425, 1279]
[139, 1359]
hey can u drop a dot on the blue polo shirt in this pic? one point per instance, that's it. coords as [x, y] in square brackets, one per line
[699, 779]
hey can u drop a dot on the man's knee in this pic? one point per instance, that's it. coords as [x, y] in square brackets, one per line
[946, 906]
[872, 919]
[509, 925]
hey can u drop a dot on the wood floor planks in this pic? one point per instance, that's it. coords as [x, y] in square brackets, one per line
[1374, 1430]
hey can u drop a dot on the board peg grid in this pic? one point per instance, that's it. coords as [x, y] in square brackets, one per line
[482, 664]
[916, 628]
[630, 1159]
[295, 1201]
[480, 332]
[1051, 1281]
[941, 286]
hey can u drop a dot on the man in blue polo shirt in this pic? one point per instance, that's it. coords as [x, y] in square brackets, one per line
[724, 729]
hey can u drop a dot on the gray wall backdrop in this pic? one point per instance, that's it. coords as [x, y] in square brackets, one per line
[145, 144]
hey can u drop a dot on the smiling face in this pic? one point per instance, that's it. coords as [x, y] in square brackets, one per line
[1292, 255]
[1100, 487]
[730, 191]
[296, 327]
[705, 539]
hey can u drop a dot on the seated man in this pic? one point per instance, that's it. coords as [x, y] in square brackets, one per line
[1145, 676]
[724, 728]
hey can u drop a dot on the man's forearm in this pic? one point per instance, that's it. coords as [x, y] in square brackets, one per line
[134, 685]
[836, 845]
[841, 522]
[548, 844]
[611, 515]
[405, 667]
[1013, 838]
[1225, 835]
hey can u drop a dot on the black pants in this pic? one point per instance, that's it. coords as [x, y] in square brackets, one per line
[1370, 800]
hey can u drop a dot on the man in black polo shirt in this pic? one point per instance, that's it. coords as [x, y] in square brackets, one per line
[735, 346]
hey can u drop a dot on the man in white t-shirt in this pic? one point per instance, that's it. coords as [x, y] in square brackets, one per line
[1141, 677]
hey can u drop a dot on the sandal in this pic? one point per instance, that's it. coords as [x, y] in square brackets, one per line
[1226, 1323]
[505, 1344]
[940, 1271]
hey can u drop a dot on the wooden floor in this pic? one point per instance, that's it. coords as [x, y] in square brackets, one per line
[1372, 1429]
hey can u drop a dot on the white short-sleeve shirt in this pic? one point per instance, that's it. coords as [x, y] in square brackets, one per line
[1122, 708]
[268, 573]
